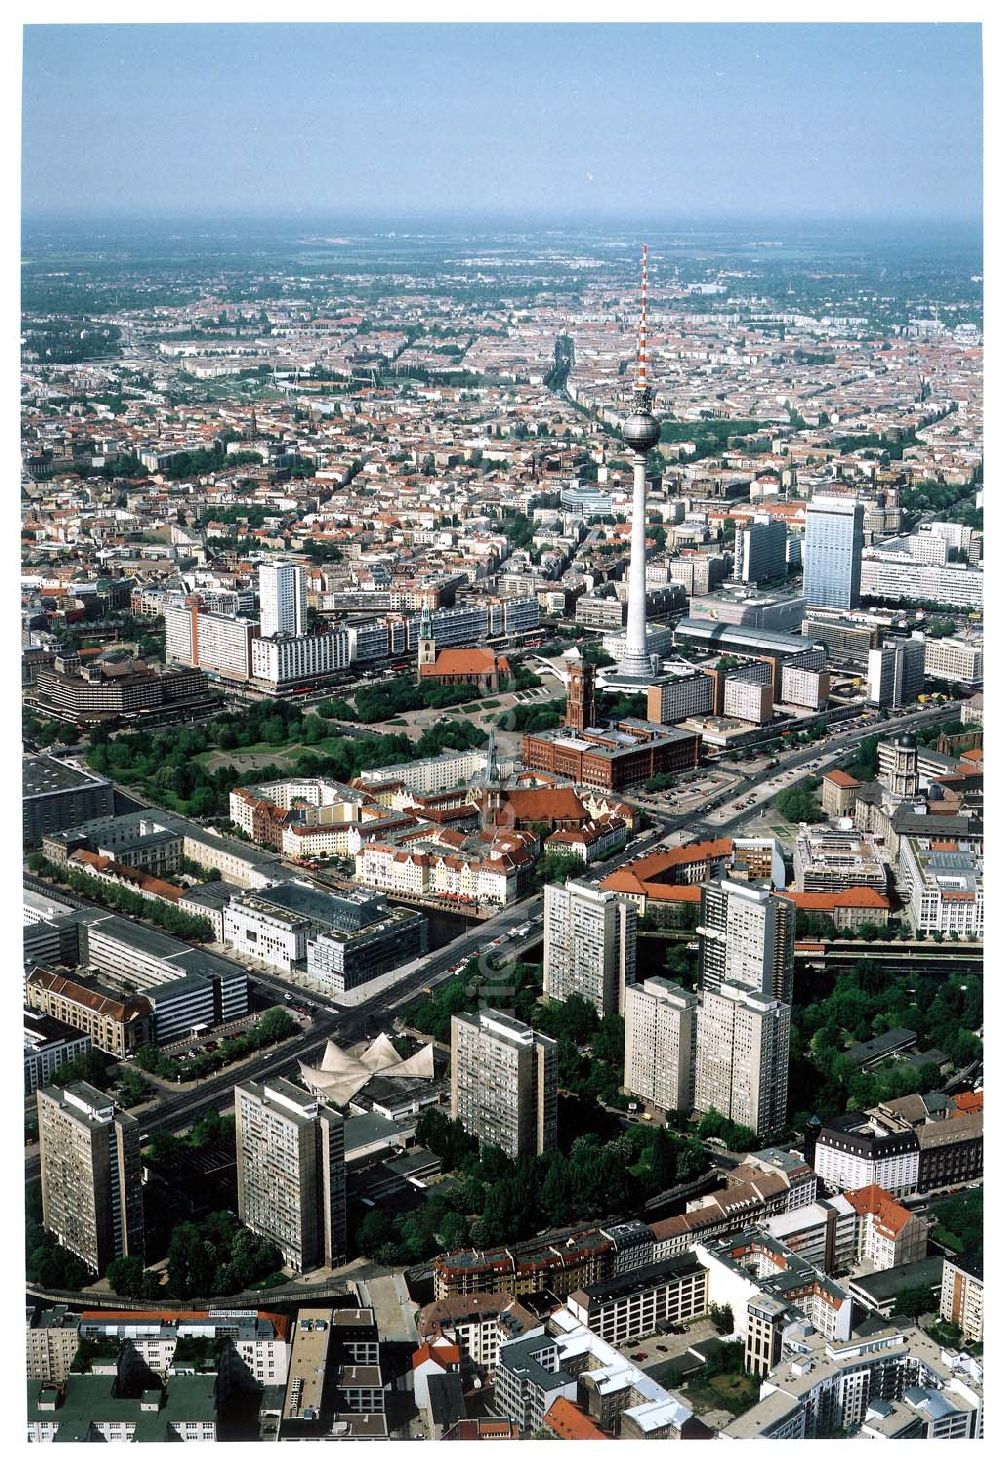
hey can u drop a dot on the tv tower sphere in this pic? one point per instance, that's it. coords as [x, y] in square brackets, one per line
[641, 431]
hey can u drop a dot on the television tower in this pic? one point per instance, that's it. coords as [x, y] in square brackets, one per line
[641, 431]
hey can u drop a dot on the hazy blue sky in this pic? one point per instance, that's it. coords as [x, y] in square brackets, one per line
[632, 120]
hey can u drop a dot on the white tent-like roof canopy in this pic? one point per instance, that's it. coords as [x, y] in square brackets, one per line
[343, 1073]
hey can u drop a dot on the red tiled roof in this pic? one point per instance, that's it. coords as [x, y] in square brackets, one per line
[461, 661]
[568, 1421]
[445, 1353]
[851, 897]
[561, 803]
[649, 873]
[121, 1010]
[872, 1200]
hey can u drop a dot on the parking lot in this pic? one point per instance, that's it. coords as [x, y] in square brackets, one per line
[649, 1352]
[209, 1041]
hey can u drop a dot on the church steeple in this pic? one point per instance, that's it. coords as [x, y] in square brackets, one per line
[426, 651]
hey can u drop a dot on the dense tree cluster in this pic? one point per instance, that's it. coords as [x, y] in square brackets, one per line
[621, 705]
[710, 436]
[216, 1257]
[948, 503]
[495, 1200]
[67, 341]
[165, 764]
[127, 1277]
[96, 1068]
[518, 529]
[660, 781]
[799, 803]
[863, 764]
[321, 552]
[167, 1153]
[914, 1302]
[960, 1223]
[49, 1265]
[515, 988]
[555, 867]
[721, 1318]
[529, 719]
[834, 1010]
[714, 1126]
[596, 654]
[377, 702]
[523, 677]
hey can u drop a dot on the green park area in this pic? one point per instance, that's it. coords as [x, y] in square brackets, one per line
[193, 768]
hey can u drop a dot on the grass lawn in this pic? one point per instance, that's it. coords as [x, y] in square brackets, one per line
[254, 756]
[251, 756]
[735, 1392]
[949, 1239]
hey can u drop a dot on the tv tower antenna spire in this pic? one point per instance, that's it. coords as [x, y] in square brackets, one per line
[640, 431]
[642, 390]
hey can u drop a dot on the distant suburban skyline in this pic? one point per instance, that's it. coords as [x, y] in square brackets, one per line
[617, 121]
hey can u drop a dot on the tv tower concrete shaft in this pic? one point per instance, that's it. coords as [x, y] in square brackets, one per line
[641, 431]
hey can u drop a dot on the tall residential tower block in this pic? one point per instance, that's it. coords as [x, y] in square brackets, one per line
[660, 1021]
[590, 943]
[91, 1174]
[503, 1082]
[290, 1172]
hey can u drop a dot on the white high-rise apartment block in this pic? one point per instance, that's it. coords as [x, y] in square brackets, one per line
[589, 944]
[742, 1063]
[759, 550]
[282, 589]
[215, 642]
[746, 936]
[290, 1172]
[962, 1294]
[899, 578]
[91, 1174]
[660, 1043]
[278, 662]
[503, 1082]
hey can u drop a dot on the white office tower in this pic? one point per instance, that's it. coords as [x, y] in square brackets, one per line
[503, 1082]
[746, 936]
[660, 1021]
[760, 551]
[742, 1064]
[835, 537]
[589, 942]
[282, 588]
[896, 671]
[290, 1172]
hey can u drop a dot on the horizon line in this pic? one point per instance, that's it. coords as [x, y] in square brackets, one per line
[297, 219]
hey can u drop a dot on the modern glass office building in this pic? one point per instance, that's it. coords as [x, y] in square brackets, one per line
[834, 541]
